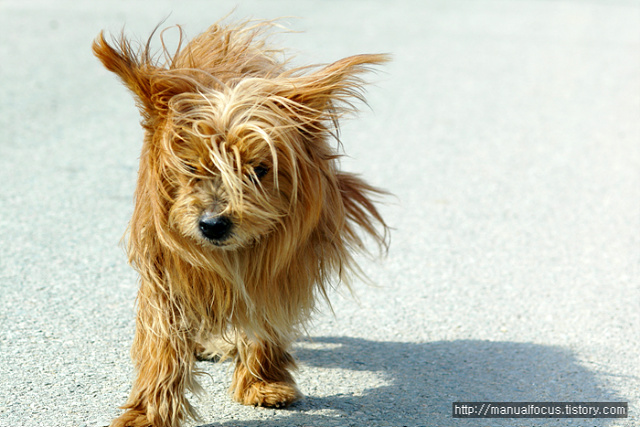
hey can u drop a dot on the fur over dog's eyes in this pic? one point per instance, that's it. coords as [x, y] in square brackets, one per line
[260, 171]
[193, 171]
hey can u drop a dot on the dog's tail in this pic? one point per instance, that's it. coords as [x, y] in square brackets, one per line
[361, 212]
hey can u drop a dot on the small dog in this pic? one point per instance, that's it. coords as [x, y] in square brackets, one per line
[242, 217]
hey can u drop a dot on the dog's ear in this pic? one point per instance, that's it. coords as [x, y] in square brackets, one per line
[333, 88]
[152, 85]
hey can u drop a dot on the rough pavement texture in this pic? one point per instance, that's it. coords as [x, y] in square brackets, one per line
[509, 132]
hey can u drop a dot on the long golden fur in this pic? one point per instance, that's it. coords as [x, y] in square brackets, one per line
[241, 215]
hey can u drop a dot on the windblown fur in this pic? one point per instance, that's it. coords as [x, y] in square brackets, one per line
[242, 218]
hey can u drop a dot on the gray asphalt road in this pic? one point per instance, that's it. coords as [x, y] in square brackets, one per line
[509, 132]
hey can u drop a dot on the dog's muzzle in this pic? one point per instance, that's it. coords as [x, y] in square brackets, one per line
[215, 228]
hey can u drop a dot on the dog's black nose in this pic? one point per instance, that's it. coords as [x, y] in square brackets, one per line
[215, 228]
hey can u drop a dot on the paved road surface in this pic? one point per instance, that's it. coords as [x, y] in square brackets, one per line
[509, 132]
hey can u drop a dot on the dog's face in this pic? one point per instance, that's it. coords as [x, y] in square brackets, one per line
[232, 166]
[235, 147]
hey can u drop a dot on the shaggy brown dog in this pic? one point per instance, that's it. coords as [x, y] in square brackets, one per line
[241, 215]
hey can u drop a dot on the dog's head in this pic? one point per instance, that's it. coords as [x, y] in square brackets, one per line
[235, 145]
[234, 164]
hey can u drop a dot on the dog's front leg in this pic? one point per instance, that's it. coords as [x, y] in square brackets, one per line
[163, 354]
[262, 374]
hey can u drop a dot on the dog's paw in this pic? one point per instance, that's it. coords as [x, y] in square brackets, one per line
[131, 419]
[271, 395]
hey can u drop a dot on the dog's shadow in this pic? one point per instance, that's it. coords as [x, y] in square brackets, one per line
[419, 382]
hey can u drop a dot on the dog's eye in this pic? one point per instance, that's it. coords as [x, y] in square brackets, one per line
[193, 172]
[260, 171]
[191, 169]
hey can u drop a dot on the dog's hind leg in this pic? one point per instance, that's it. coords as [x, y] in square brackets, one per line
[262, 375]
